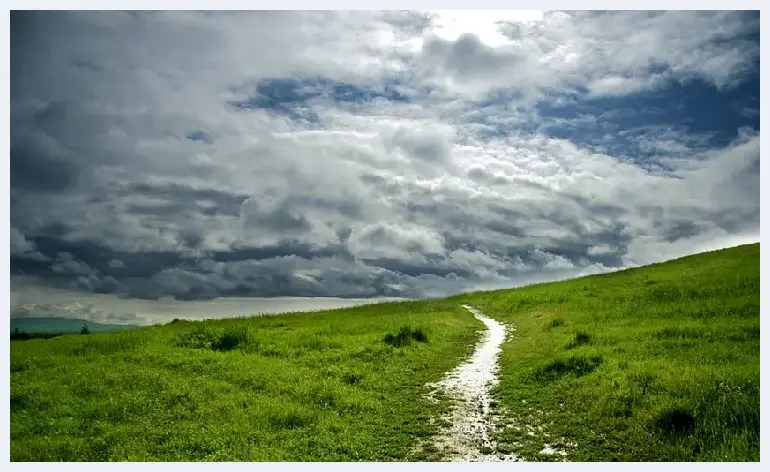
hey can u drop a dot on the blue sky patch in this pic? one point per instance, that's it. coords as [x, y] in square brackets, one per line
[295, 97]
[199, 135]
[692, 115]
[695, 107]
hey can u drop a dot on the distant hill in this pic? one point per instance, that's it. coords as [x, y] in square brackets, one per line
[61, 325]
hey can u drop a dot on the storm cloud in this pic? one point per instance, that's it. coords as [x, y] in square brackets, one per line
[365, 154]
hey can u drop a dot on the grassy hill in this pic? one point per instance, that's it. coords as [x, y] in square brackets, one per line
[313, 386]
[659, 363]
[655, 363]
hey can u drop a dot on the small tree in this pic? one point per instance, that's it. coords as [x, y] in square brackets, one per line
[84, 329]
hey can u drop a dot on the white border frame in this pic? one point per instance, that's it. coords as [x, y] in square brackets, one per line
[342, 5]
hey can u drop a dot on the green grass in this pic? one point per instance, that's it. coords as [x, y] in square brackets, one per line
[659, 363]
[328, 386]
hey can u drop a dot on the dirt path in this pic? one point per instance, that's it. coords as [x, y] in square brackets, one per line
[470, 422]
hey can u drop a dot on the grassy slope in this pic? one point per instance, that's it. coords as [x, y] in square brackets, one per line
[654, 363]
[666, 368]
[321, 386]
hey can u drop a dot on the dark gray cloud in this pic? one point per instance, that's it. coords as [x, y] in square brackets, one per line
[364, 154]
[33, 170]
[468, 57]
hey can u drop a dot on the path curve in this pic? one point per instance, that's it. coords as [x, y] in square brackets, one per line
[467, 437]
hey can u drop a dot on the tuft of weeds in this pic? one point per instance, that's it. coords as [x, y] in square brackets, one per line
[231, 338]
[577, 366]
[199, 337]
[290, 419]
[352, 378]
[581, 338]
[206, 337]
[677, 421]
[405, 336]
[555, 323]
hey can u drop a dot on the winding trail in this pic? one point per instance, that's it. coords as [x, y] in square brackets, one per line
[470, 422]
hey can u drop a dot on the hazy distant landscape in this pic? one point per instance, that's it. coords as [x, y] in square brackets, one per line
[53, 325]
[105, 308]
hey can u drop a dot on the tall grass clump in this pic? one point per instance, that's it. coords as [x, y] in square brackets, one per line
[555, 323]
[231, 338]
[206, 337]
[405, 336]
[581, 338]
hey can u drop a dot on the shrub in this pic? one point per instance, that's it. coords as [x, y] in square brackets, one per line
[405, 336]
[676, 421]
[199, 337]
[203, 337]
[351, 378]
[575, 365]
[581, 338]
[555, 323]
[231, 338]
[419, 335]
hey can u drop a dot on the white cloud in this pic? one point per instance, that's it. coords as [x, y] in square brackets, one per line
[449, 179]
[392, 241]
[617, 85]
[610, 52]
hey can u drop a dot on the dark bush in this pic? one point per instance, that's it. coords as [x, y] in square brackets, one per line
[575, 365]
[676, 421]
[405, 336]
[351, 378]
[231, 338]
[581, 338]
[203, 337]
[18, 401]
[555, 323]
[419, 335]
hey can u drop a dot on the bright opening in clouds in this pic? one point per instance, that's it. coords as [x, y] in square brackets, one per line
[367, 154]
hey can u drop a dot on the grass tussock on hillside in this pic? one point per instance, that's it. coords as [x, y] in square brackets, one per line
[328, 386]
[659, 363]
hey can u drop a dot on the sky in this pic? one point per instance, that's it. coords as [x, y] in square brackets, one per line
[198, 155]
